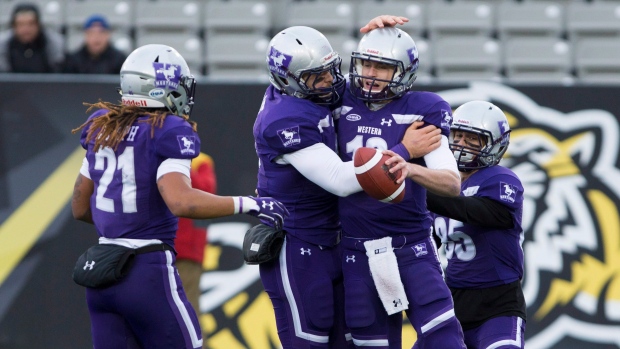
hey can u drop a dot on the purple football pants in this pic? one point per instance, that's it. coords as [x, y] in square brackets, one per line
[501, 332]
[431, 310]
[305, 287]
[147, 309]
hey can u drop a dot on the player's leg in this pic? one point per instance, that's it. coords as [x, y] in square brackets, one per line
[109, 330]
[153, 302]
[506, 332]
[190, 273]
[300, 286]
[365, 315]
[340, 336]
[431, 309]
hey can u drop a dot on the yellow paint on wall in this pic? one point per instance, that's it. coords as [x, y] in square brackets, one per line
[258, 324]
[212, 257]
[224, 340]
[20, 231]
[233, 306]
[208, 322]
[409, 335]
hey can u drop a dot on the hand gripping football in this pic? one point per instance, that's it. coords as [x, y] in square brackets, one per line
[374, 177]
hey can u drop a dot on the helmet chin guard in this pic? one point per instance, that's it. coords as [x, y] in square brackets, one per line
[157, 76]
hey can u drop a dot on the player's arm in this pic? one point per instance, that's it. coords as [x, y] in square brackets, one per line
[82, 191]
[184, 201]
[80, 202]
[478, 211]
[383, 21]
[440, 175]
[418, 140]
[176, 189]
[324, 167]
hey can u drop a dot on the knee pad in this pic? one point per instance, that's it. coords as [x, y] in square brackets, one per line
[318, 302]
[360, 304]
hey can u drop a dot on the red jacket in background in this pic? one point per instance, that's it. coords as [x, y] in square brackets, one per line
[191, 240]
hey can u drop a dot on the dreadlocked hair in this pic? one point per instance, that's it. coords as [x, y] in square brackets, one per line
[111, 128]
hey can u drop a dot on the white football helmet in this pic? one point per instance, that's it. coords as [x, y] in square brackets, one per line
[390, 46]
[490, 124]
[296, 53]
[156, 76]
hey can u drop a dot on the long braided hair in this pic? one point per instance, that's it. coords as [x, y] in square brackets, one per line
[111, 128]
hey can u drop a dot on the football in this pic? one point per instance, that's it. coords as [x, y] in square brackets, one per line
[374, 175]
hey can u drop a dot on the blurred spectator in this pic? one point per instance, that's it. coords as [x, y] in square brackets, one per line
[191, 240]
[97, 55]
[28, 47]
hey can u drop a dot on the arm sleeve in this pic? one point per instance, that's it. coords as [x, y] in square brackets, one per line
[174, 165]
[324, 167]
[442, 158]
[401, 150]
[84, 169]
[479, 211]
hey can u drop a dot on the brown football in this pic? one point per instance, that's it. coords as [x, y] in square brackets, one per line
[374, 175]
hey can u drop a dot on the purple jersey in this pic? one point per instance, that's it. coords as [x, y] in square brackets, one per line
[481, 257]
[126, 202]
[361, 215]
[286, 124]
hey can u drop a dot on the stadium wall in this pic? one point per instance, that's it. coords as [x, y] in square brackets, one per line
[564, 147]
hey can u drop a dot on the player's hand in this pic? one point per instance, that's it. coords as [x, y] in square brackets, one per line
[383, 21]
[268, 209]
[395, 163]
[420, 141]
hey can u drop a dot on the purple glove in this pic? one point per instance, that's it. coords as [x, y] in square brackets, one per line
[265, 208]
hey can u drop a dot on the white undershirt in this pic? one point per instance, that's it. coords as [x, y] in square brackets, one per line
[174, 165]
[442, 157]
[323, 167]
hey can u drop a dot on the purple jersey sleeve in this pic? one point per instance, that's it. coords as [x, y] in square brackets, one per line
[504, 188]
[438, 112]
[292, 134]
[178, 142]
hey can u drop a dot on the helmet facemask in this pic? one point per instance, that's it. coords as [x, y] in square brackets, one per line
[321, 95]
[181, 101]
[470, 157]
[394, 87]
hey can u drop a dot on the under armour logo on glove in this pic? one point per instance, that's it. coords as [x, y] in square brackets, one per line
[89, 265]
[397, 302]
[268, 209]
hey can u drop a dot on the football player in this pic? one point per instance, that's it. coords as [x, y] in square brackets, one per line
[481, 231]
[296, 145]
[134, 181]
[377, 109]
